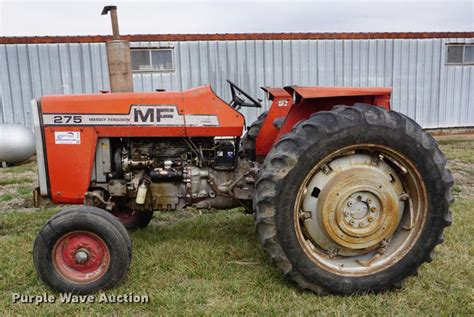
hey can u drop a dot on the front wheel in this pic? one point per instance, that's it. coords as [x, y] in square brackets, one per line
[353, 200]
[82, 250]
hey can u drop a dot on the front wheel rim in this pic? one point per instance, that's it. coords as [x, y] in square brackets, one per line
[81, 257]
[360, 210]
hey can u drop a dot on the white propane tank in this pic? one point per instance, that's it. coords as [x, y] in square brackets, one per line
[141, 193]
[17, 143]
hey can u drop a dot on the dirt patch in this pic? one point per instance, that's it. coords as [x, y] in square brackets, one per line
[463, 179]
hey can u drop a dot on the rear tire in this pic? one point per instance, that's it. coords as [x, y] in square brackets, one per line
[248, 140]
[283, 194]
[131, 219]
[82, 250]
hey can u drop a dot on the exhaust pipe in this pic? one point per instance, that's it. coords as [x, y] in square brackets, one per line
[118, 57]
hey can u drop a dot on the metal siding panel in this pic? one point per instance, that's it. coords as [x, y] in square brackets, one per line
[105, 67]
[15, 85]
[97, 67]
[222, 68]
[379, 63]
[396, 75]
[203, 63]
[286, 63]
[268, 53]
[55, 70]
[356, 69]
[303, 65]
[295, 71]
[277, 65]
[330, 63]
[404, 76]
[338, 63]
[261, 80]
[35, 75]
[423, 86]
[24, 72]
[464, 97]
[364, 63]
[2, 120]
[347, 68]
[426, 105]
[388, 63]
[411, 80]
[435, 83]
[372, 63]
[321, 69]
[4, 86]
[470, 107]
[88, 79]
[312, 63]
[64, 60]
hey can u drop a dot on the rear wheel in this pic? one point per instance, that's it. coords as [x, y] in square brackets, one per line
[353, 200]
[248, 140]
[82, 250]
[132, 219]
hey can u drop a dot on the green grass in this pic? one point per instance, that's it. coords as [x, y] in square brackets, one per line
[29, 166]
[6, 197]
[459, 150]
[15, 180]
[211, 263]
[24, 191]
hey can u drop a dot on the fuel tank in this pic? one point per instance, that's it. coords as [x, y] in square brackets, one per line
[17, 143]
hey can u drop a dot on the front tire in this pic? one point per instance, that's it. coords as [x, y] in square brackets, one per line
[353, 200]
[82, 250]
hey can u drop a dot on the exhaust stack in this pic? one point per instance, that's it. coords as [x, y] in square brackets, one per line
[118, 57]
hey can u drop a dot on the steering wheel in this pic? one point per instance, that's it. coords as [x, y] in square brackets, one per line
[239, 102]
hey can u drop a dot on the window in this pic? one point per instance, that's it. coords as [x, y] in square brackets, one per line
[460, 54]
[152, 59]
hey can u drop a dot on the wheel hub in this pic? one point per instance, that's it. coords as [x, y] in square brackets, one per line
[359, 208]
[362, 208]
[82, 255]
[358, 205]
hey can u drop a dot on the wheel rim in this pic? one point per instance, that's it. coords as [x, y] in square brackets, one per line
[81, 256]
[360, 210]
[125, 215]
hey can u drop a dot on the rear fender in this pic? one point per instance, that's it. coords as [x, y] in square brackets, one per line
[304, 101]
[281, 104]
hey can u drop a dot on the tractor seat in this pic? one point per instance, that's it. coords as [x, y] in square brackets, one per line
[278, 122]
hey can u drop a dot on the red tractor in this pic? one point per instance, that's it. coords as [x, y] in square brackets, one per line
[348, 195]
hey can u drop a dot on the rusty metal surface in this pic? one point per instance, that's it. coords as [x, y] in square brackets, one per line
[234, 37]
[354, 189]
[120, 66]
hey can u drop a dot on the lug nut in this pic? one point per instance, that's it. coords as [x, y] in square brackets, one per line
[349, 203]
[347, 214]
[370, 219]
[373, 209]
[352, 222]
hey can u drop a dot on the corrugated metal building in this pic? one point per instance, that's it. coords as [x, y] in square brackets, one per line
[432, 88]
